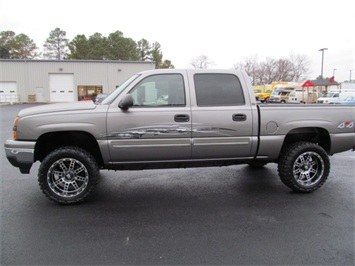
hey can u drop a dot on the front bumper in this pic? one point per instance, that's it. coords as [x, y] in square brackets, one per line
[20, 154]
[274, 100]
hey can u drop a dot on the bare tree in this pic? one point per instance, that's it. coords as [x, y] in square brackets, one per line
[267, 71]
[201, 62]
[284, 69]
[251, 66]
[300, 65]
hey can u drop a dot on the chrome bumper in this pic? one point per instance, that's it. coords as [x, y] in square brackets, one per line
[20, 154]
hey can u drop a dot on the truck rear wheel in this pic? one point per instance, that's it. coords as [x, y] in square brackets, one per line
[68, 175]
[304, 166]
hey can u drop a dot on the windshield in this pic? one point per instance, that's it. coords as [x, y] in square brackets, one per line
[276, 91]
[349, 99]
[118, 91]
[329, 95]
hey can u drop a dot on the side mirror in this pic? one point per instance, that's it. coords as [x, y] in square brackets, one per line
[126, 102]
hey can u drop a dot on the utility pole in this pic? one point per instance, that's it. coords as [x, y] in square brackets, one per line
[321, 73]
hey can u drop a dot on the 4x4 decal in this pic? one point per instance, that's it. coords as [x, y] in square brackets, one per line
[346, 124]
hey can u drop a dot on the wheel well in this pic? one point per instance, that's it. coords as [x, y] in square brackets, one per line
[311, 134]
[51, 141]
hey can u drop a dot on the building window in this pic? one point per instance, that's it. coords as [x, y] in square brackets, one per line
[88, 92]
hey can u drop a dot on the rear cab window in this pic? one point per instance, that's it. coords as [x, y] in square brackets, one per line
[215, 89]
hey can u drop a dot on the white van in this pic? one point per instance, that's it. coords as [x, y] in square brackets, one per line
[303, 96]
[330, 97]
[338, 95]
[281, 92]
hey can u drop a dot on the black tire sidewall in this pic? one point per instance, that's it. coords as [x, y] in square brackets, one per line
[288, 158]
[69, 152]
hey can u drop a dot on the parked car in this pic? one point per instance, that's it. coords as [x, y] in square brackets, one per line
[100, 97]
[331, 98]
[337, 96]
[262, 96]
[86, 99]
[348, 100]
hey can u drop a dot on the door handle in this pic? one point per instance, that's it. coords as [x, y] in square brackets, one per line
[182, 118]
[239, 117]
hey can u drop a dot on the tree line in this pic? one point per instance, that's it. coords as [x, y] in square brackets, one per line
[95, 47]
[118, 47]
[293, 68]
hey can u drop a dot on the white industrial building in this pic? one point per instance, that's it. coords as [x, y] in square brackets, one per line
[63, 80]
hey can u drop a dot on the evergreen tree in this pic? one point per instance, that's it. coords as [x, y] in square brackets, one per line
[156, 54]
[121, 48]
[6, 41]
[14, 46]
[98, 47]
[166, 64]
[79, 48]
[56, 45]
[24, 48]
[144, 50]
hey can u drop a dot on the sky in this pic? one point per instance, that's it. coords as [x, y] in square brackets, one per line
[226, 31]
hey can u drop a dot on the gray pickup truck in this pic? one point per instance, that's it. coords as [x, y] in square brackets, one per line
[177, 118]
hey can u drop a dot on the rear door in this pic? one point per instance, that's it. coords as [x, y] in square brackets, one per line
[158, 126]
[222, 119]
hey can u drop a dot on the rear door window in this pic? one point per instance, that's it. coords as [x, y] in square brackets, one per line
[218, 90]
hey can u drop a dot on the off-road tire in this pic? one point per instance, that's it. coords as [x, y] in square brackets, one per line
[68, 175]
[303, 166]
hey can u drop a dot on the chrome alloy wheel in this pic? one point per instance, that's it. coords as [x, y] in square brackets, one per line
[67, 177]
[308, 168]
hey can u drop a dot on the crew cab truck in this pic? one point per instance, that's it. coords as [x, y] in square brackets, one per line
[177, 118]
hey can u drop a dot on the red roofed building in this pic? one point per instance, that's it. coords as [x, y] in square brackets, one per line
[320, 83]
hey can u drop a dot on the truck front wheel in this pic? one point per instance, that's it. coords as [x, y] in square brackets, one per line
[68, 175]
[303, 166]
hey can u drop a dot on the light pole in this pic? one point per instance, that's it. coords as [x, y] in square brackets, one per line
[321, 73]
[334, 72]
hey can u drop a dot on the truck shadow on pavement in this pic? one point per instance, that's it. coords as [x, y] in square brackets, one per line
[180, 187]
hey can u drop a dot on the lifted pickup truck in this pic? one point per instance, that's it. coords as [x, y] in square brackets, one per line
[177, 118]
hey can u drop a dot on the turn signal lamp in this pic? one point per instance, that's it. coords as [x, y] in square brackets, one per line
[14, 129]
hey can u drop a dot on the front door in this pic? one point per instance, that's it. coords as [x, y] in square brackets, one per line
[157, 127]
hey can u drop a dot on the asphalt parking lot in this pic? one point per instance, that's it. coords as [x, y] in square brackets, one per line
[211, 216]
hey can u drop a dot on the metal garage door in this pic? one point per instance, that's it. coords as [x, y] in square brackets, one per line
[61, 87]
[8, 92]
